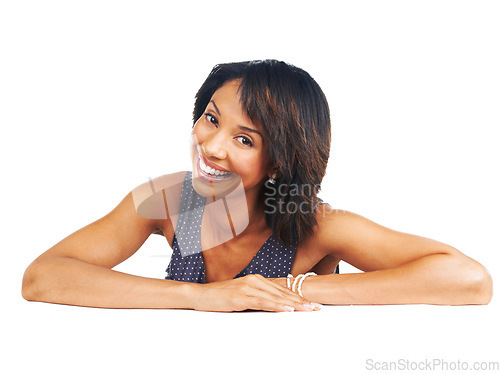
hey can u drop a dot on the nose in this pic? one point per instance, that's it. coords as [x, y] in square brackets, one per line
[214, 147]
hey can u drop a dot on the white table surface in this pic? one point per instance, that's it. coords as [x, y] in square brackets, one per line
[61, 338]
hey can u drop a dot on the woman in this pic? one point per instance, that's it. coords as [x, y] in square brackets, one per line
[260, 147]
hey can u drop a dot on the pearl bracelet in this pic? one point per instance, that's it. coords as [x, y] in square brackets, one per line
[299, 279]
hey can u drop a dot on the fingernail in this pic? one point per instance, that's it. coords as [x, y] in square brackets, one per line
[288, 308]
[310, 306]
[316, 305]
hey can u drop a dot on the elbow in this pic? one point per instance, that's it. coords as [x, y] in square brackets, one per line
[485, 287]
[479, 284]
[26, 288]
[30, 284]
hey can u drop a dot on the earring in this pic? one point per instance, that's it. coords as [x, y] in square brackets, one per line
[272, 180]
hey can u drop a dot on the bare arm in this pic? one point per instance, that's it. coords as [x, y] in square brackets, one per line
[399, 268]
[65, 280]
[77, 270]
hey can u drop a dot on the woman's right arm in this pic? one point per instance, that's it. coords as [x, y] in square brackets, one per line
[77, 270]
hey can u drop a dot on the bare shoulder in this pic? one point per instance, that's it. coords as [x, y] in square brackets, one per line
[107, 241]
[368, 245]
[337, 227]
[159, 200]
[148, 196]
[120, 233]
[329, 234]
[325, 239]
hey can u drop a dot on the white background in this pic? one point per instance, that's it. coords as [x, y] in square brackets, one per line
[97, 96]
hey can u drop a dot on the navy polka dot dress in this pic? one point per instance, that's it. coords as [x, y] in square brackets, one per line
[273, 260]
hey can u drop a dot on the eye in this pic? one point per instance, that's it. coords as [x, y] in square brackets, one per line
[211, 119]
[245, 141]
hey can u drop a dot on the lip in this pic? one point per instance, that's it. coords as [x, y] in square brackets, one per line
[209, 177]
[211, 164]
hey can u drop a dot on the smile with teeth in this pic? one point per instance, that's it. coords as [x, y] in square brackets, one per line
[212, 171]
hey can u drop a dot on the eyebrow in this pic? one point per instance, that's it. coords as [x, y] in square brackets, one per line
[251, 130]
[217, 109]
[241, 127]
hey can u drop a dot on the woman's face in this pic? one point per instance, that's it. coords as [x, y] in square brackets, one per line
[228, 147]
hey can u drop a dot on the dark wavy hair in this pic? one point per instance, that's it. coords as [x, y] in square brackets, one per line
[295, 116]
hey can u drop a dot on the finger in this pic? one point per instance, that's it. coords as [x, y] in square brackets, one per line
[264, 288]
[280, 281]
[272, 304]
[273, 287]
[281, 299]
[283, 290]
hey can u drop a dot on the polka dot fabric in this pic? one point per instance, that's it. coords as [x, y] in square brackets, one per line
[186, 263]
[188, 230]
[273, 260]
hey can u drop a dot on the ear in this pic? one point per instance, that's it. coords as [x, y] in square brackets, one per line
[273, 172]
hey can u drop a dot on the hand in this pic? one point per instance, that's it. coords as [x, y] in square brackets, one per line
[252, 291]
[280, 281]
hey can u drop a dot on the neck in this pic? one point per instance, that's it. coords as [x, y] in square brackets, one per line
[256, 214]
[246, 227]
[255, 221]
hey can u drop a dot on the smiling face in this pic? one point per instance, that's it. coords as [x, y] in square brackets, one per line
[228, 147]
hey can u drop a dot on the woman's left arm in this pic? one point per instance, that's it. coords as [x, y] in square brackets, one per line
[399, 268]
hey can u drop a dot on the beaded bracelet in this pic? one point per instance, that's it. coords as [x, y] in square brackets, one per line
[300, 279]
[288, 278]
